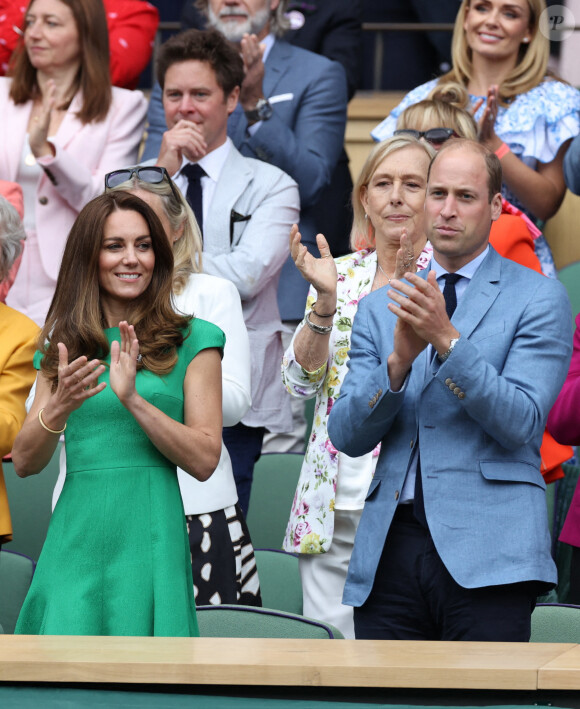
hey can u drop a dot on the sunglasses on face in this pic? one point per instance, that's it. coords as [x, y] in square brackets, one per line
[153, 175]
[433, 135]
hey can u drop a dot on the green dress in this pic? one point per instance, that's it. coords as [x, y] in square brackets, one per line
[116, 558]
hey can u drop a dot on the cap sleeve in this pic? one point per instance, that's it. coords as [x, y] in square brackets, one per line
[202, 336]
[37, 359]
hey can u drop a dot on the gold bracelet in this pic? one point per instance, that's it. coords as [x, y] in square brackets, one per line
[46, 428]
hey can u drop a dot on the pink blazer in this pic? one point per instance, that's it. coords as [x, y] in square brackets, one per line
[84, 153]
[564, 425]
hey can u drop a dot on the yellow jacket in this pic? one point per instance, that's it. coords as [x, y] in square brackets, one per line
[17, 346]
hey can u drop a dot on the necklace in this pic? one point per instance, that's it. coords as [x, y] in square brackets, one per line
[384, 274]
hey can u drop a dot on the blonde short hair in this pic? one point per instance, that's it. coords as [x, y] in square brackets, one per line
[362, 235]
[530, 68]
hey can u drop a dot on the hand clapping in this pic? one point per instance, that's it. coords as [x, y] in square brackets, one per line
[40, 124]
[319, 272]
[77, 381]
[124, 356]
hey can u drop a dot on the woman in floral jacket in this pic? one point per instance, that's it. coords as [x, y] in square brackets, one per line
[389, 237]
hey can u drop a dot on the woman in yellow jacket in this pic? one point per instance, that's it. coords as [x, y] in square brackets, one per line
[17, 345]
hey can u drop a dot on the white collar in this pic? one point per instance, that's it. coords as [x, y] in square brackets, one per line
[213, 162]
[467, 271]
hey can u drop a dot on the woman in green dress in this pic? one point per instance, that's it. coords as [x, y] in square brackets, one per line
[137, 388]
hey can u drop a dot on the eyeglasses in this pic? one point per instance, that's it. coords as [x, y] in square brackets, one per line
[433, 135]
[152, 174]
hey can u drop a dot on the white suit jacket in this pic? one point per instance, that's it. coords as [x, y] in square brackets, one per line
[245, 239]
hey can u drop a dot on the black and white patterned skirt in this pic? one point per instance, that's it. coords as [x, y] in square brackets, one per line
[222, 559]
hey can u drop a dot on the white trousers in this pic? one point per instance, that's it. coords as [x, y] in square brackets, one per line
[323, 575]
[292, 441]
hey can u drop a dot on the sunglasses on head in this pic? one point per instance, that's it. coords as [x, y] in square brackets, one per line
[153, 175]
[433, 135]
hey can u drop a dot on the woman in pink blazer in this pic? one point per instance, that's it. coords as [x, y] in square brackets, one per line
[564, 425]
[63, 127]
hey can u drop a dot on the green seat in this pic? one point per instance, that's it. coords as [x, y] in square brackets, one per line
[30, 506]
[570, 277]
[275, 479]
[554, 623]
[250, 622]
[16, 571]
[280, 583]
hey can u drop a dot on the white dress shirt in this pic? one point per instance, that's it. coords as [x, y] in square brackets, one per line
[212, 163]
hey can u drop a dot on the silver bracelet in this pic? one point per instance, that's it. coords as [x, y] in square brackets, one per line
[318, 329]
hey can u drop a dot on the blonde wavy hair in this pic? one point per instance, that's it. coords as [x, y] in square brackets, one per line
[362, 235]
[187, 249]
[530, 69]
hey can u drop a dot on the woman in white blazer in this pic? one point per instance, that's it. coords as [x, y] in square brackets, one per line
[222, 556]
[63, 127]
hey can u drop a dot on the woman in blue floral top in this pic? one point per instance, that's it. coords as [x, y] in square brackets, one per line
[500, 55]
[389, 237]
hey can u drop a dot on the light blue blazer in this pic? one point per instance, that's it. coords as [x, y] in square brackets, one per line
[477, 419]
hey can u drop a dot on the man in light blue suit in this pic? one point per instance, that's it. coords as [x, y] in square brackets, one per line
[246, 209]
[453, 543]
[291, 114]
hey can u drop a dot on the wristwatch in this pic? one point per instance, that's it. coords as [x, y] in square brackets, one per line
[445, 355]
[261, 112]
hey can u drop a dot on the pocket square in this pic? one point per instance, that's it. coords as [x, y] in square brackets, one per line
[280, 98]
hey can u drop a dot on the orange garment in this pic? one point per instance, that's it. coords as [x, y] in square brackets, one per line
[511, 238]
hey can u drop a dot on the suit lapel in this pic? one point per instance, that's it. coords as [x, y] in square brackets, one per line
[478, 298]
[233, 181]
[479, 295]
[276, 65]
[70, 125]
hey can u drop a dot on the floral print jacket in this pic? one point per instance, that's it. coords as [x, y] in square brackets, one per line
[311, 524]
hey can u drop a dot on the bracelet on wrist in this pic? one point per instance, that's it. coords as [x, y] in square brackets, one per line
[318, 329]
[502, 151]
[46, 428]
[320, 315]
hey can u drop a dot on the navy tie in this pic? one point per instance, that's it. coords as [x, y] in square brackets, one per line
[194, 173]
[449, 293]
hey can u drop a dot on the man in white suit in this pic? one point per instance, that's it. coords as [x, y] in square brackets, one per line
[245, 207]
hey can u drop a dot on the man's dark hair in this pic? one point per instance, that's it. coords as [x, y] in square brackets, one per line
[205, 46]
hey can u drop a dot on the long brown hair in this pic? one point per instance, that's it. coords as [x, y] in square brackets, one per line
[75, 316]
[93, 79]
[187, 250]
